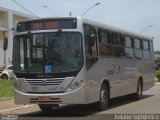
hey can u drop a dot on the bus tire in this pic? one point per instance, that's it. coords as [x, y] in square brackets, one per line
[138, 94]
[46, 107]
[104, 98]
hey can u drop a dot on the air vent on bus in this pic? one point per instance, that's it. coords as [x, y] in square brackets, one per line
[38, 82]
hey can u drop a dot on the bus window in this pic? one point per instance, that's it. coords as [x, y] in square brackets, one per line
[91, 44]
[151, 49]
[137, 43]
[104, 37]
[104, 43]
[117, 39]
[138, 48]
[128, 41]
[105, 50]
[37, 48]
[128, 47]
[145, 45]
[117, 45]
[22, 50]
[117, 51]
[146, 48]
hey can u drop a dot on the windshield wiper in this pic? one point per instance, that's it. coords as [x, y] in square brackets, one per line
[52, 55]
[54, 38]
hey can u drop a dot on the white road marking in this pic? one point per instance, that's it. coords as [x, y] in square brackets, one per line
[15, 108]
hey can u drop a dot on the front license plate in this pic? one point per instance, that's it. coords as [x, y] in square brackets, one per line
[44, 98]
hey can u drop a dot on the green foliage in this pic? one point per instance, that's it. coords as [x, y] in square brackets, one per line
[6, 89]
[157, 73]
[157, 62]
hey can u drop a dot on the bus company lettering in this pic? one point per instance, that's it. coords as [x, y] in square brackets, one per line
[110, 72]
[115, 69]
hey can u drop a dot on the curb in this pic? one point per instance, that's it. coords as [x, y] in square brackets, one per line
[157, 83]
[16, 108]
[6, 98]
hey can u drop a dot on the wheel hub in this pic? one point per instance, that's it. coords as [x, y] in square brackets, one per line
[103, 95]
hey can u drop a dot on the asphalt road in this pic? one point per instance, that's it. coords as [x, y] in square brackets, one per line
[148, 106]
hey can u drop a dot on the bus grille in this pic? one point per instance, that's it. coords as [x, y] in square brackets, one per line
[38, 82]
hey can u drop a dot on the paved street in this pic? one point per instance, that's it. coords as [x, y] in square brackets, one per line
[149, 104]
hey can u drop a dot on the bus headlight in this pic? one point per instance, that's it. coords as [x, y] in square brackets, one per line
[18, 86]
[75, 85]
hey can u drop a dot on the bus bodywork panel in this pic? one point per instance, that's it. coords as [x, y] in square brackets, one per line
[122, 74]
[53, 98]
[68, 95]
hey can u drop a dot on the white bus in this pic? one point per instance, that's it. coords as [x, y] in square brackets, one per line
[73, 60]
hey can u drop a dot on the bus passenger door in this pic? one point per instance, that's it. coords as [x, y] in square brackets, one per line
[91, 52]
[90, 45]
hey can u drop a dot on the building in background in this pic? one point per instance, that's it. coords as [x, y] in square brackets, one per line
[8, 18]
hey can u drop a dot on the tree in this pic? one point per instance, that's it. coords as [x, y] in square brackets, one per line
[157, 62]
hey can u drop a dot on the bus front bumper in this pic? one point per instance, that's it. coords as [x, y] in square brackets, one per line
[73, 97]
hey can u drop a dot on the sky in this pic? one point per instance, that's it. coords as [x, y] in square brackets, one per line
[131, 15]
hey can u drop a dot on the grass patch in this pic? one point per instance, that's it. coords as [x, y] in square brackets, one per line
[6, 88]
[157, 73]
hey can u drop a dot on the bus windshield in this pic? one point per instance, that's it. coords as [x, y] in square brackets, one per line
[48, 52]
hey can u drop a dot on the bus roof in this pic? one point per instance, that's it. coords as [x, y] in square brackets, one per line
[97, 24]
[115, 29]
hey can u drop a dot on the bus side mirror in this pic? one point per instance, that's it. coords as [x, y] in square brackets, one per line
[92, 39]
[5, 45]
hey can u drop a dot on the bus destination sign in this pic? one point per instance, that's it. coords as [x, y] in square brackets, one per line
[47, 24]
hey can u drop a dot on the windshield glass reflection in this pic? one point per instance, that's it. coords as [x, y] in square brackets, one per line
[47, 53]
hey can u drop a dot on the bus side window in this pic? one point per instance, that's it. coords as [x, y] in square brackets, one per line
[146, 49]
[104, 43]
[129, 53]
[90, 45]
[151, 49]
[138, 48]
[117, 45]
[117, 39]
